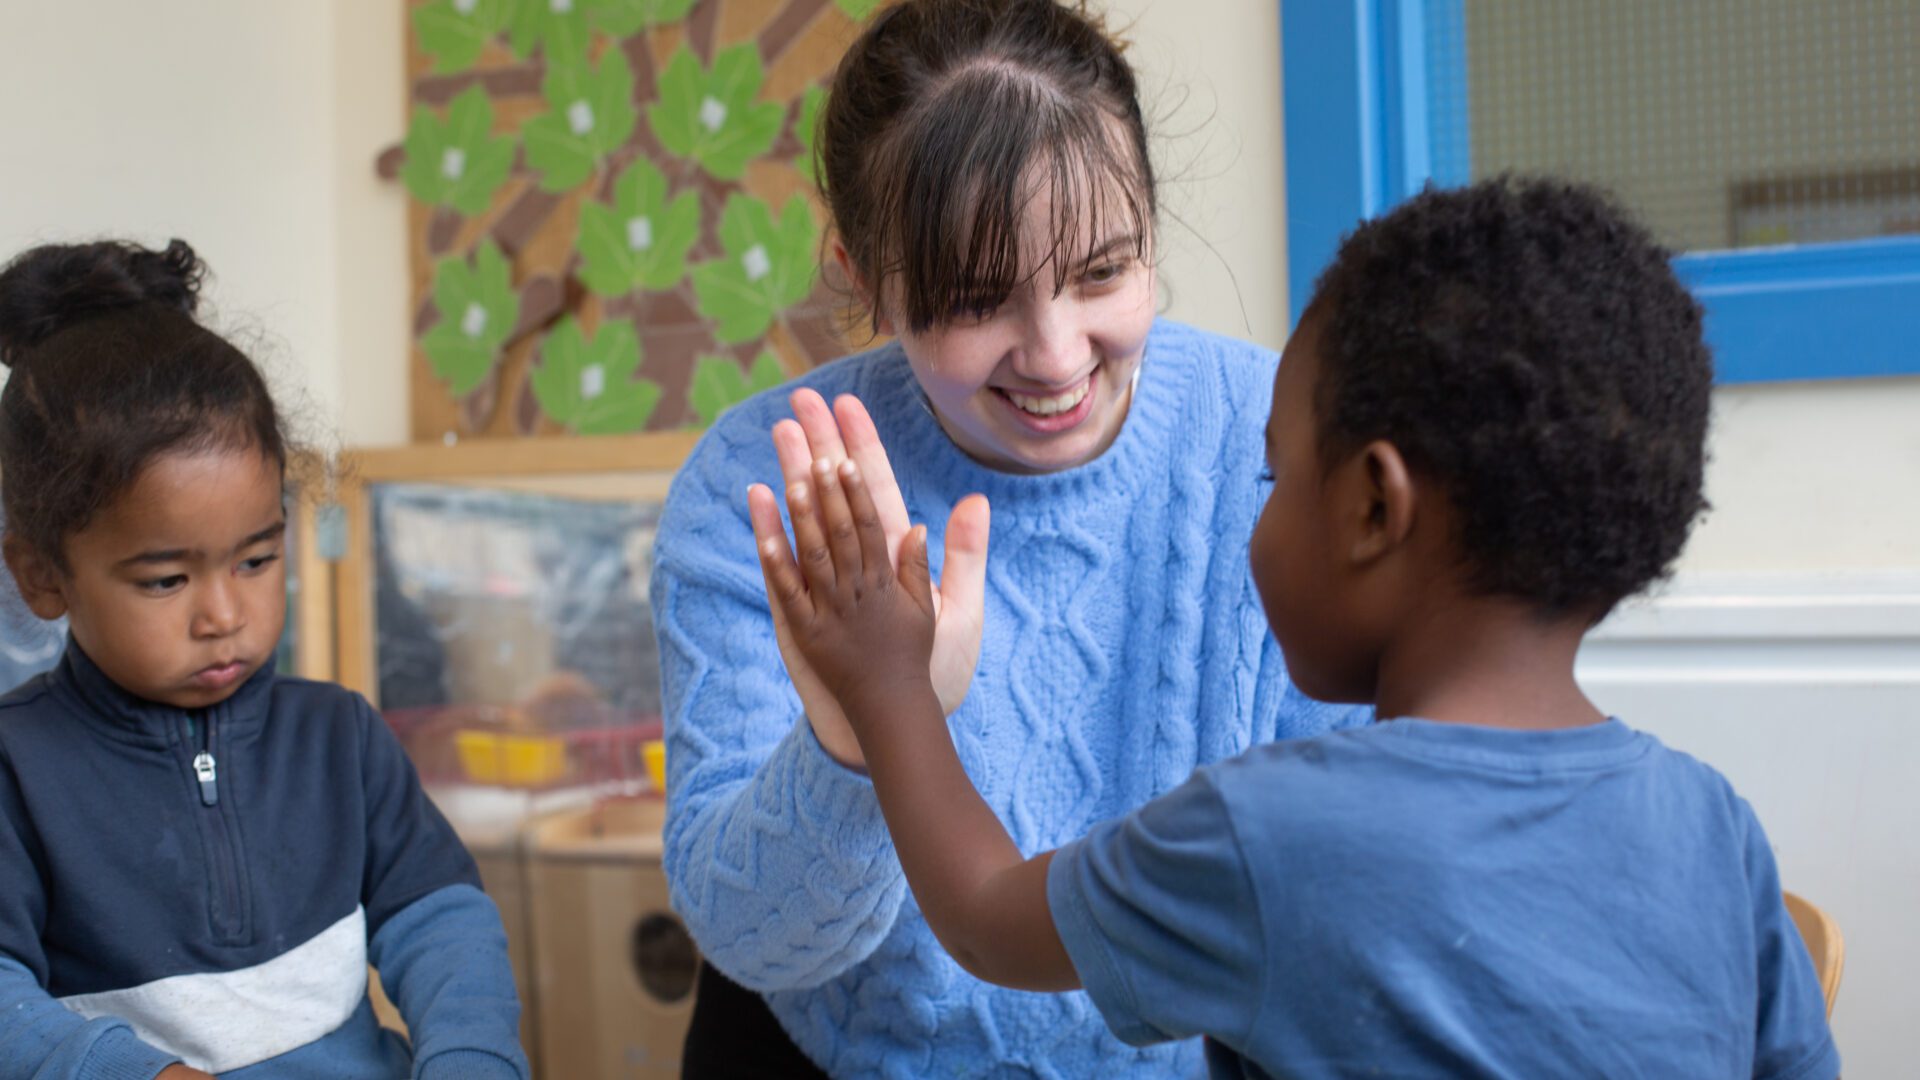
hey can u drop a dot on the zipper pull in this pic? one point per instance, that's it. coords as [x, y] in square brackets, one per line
[203, 771]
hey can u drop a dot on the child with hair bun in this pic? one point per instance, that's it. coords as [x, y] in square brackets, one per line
[200, 856]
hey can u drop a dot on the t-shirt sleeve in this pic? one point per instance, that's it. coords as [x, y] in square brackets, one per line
[1792, 1040]
[1158, 914]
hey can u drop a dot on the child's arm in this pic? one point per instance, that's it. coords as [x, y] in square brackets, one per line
[868, 633]
[435, 938]
[39, 1037]
[443, 961]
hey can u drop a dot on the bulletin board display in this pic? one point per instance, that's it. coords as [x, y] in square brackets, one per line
[613, 226]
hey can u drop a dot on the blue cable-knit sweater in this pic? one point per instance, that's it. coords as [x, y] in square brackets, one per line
[1124, 646]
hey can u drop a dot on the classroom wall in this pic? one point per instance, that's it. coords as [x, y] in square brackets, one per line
[251, 129]
[1209, 74]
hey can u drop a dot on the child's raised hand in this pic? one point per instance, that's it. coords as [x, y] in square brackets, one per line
[866, 629]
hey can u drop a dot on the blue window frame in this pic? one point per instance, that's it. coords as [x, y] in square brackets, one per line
[1360, 79]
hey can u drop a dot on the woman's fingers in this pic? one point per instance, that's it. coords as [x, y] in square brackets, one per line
[790, 444]
[816, 420]
[786, 592]
[961, 599]
[863, 447]
[963, 575]
[916, 580]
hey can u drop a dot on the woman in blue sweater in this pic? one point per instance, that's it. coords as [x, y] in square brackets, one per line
[986, 165]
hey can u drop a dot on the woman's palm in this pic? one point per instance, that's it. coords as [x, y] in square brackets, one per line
[847, 431]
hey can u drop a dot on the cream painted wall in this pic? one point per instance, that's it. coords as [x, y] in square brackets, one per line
[371, 275]
[1209, 73]
[248, 129]
[251, 128]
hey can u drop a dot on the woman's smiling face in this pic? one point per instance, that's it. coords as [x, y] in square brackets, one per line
[1041, 380]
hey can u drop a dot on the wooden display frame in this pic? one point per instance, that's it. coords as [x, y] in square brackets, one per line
[601, 467]
[313, 644]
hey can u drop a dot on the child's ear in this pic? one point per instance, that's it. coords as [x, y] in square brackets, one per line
[882, 322]
[37, 578]
[1389, 501]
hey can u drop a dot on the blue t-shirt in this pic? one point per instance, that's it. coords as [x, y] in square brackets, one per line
[1424, 899]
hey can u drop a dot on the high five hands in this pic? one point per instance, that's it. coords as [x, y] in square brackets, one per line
[846, 433]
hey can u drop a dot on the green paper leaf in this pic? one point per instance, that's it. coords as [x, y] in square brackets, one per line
[592, 112]
[478, 309]
[719, 384]
[589, 385]
[624, 18]
[713, 116]
[768, 267]
[858, 10]
[559, 26]
[456, 32]
[640, 241]
[457, 163]
[806, 127]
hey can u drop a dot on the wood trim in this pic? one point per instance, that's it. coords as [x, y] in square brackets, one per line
[520, 458]
[602, 467]
[353, 596]
[313, 637]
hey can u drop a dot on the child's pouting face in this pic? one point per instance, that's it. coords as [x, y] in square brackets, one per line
[178, 589]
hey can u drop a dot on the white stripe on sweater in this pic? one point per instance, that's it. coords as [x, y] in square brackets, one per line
[220, 1021]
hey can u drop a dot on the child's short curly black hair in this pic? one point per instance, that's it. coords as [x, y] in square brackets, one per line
[1525, 343]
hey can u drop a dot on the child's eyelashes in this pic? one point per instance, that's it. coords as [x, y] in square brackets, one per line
[160, 586]
[259, 562]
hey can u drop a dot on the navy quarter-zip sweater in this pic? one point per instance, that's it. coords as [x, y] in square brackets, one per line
[209, 886]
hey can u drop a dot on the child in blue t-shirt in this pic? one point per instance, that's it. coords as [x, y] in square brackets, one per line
[198, 857]
[1487, 431]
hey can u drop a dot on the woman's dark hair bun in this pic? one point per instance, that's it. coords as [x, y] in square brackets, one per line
[47, 289]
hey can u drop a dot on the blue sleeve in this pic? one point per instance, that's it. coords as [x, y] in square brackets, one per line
[1158, 914]
[411, 850]
[1792, 1039]
[776, 855]
[443, 961]
[41, 1039]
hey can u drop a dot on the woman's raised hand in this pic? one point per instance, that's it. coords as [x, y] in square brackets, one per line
[836, 434]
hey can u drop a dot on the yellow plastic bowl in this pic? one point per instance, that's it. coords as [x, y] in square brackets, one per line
[511, 760]
[654, 754]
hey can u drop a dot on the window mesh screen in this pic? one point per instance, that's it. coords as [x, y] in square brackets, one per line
[1724, 123]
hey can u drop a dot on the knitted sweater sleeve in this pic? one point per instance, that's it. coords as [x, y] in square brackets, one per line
[776, 855]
